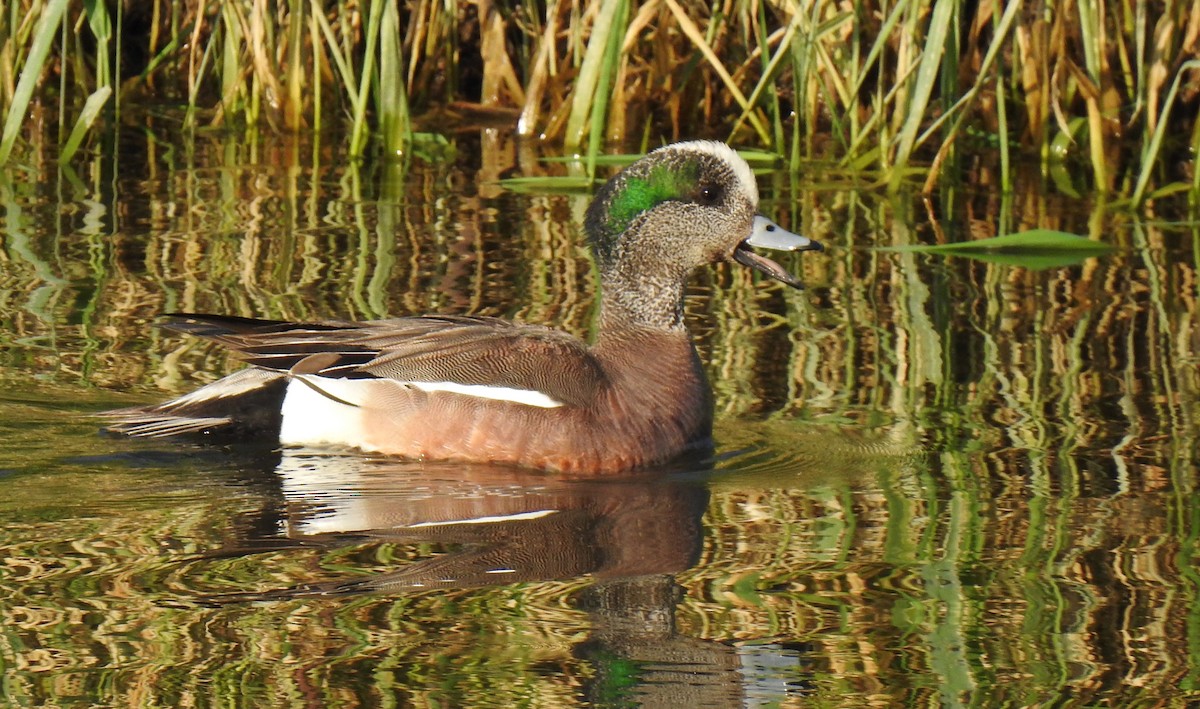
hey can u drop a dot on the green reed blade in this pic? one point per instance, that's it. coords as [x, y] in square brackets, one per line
[550, 184]
[584, 101]
[358, 130]
[295, 68]
[999, 20]
[1194, 192]
[340, 60]
[1026, 241]
[612, 61]
[766, 82]
[101, 25]
[91, 109]
[769, 72]
[392, 100]
[117, 66]
[233, 98]
[1091, 36]
[167, 53]
[314, 38]
[43, 38]
[1150, 155]
[1025, 244]
[927, 74]
[1140, 57]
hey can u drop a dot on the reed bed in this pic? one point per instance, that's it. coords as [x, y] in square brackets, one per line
[1101, 96]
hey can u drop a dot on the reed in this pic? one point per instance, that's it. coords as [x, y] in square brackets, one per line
[891, 93]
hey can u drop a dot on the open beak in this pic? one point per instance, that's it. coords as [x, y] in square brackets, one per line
[769, 235]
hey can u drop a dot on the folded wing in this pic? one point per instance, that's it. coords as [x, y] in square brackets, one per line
[462, 350]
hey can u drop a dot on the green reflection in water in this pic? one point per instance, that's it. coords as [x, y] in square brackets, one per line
[942, 481]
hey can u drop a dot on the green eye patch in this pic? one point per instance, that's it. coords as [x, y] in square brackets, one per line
[641, 192]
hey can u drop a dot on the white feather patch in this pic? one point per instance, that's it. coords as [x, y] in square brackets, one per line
[314, 412]
[517, 517]
[325, 410]
[529, 397]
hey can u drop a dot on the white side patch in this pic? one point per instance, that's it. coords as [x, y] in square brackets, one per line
[326, 411]
[311, 417]
[739, 166]
[529, 397]
[518, 517]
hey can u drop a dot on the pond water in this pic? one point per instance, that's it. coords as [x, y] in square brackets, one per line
[939, 481]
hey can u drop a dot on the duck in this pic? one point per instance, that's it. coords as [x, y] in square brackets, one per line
[477, 389]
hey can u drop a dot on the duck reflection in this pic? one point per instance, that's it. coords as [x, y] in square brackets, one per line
[514, 525]
[631, 535]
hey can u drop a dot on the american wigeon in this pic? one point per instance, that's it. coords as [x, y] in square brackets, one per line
[465, 388]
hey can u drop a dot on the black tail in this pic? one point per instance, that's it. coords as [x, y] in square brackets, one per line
[245, 406]
[204, 325]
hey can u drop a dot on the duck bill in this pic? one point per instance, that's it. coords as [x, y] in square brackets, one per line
[766, 234]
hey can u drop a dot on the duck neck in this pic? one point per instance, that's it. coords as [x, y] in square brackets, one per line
[641, 302]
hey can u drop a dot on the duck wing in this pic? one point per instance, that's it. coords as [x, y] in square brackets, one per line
[462, 350]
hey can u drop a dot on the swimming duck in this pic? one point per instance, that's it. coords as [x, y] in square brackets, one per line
[482, 389]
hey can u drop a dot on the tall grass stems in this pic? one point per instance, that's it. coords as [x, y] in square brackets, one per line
[1091, 91]
[359, 130]
[91, 108]
[32, 69]
[1153, 147]
[587, 100]
[928, 68]
[392, 102]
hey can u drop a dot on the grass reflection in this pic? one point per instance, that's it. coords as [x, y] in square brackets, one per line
[947, 480]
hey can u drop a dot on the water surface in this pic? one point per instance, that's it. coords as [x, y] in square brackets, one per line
[939, 481]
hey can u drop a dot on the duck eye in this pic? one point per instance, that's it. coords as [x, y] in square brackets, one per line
[708, 195]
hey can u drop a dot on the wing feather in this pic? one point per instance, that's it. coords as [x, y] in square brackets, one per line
[478, 351]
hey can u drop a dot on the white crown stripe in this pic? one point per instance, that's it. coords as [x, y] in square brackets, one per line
[722, 151]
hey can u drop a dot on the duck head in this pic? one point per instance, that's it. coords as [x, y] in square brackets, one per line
[680, 207]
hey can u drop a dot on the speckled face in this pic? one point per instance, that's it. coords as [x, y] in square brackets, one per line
[641, 192]
[679, 208]
[702, 172]
[694, 199]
